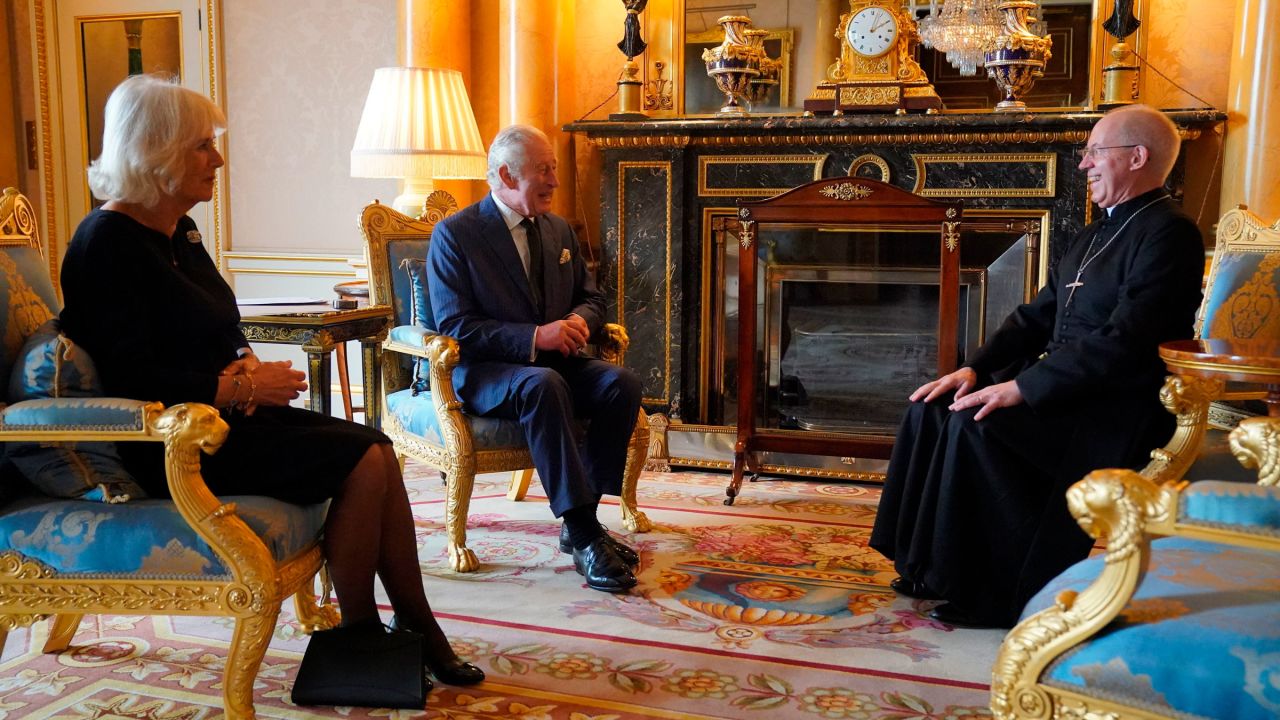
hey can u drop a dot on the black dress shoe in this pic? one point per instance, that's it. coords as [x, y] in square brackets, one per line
[602, 568]
[456, 672]
[951, 614]
[626, 552]
[912, 589]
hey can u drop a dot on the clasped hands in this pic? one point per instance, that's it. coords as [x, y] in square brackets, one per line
[265, 383]
[992, 397]
[567, 336]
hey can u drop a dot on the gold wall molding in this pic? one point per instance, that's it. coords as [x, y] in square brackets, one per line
[923, 161]
[665, 166]
[816, 162]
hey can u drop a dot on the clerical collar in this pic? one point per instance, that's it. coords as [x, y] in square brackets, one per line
[1128, 207]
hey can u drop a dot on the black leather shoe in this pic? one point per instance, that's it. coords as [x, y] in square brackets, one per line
[912, 589]
[602, 568]
[456, 672]
[950, 614]
[625, 552]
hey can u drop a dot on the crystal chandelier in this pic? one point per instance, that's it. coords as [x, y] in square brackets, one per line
[961, 29]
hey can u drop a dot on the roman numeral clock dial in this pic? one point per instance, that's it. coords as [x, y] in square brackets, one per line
[876, 70]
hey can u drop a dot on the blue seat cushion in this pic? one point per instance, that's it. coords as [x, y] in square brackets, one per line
[417, 415]
[145, 538]
[1250, 508]
[50, 366]
[1200, 637]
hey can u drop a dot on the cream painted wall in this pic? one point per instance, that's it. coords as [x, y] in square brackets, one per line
[297, 73]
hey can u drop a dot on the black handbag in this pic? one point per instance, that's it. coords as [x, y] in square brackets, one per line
[362, 666]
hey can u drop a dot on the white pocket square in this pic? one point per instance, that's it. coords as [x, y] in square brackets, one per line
[565, 256]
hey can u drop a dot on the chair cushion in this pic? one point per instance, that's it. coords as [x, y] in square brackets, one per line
[51, 366]
[26, 298]
[420, 312]
[1201, 636]
[417, 415]
[1237, 506]
[403, 278]
[1241, 302]
[144, 537]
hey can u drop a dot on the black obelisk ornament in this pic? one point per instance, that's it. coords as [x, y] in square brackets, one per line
[631, 45]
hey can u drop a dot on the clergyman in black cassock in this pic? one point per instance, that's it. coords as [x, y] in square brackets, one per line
[973, 509]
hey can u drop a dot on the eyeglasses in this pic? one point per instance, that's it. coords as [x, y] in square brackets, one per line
[1094, 152]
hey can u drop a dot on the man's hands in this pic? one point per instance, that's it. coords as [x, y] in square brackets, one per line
[1005, 394]
[566, 336]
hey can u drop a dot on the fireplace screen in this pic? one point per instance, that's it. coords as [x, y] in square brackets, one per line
[847, 319]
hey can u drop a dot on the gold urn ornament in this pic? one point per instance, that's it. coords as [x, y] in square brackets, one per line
[734, 63]
[1016, 57]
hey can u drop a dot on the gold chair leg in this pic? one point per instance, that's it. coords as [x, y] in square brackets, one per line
[632, 518]
[313, 605]
[4, 639]
[62, 628]
[519, 487]
[248, 646]
[457, 504]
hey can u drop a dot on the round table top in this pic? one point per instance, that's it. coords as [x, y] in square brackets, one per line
[1255, 361]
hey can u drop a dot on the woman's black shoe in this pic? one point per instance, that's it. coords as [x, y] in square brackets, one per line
[450, 672]
[912, 589]
[456, 672]
[950, 614]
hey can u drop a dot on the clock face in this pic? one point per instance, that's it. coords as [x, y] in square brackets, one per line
[872, 31]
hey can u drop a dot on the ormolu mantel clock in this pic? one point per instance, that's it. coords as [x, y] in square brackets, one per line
[877, 69]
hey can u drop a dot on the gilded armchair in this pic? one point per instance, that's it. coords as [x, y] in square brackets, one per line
[62, 557]
[1186, 625]
[1240, 304]
[421, 411]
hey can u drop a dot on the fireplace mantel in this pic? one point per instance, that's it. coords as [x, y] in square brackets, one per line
[666, 183]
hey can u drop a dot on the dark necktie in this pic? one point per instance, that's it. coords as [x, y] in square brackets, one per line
[534, 237]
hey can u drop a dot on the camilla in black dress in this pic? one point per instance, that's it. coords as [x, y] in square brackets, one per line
[146, 301]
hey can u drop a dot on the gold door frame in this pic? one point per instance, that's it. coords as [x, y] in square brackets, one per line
[48, 77]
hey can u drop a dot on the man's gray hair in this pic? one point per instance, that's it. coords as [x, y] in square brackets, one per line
[1144, 125]
[149, 124]
[511, 148]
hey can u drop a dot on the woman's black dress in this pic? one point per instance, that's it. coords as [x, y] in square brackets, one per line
[160, 323]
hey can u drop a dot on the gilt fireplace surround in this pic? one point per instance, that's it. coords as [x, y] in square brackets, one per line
[669, 259]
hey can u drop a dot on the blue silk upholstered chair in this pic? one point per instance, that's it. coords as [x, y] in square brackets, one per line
[72, 541]
[421, 411]
[1180, 618]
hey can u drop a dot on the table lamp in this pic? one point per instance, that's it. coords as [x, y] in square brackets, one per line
[417, 125]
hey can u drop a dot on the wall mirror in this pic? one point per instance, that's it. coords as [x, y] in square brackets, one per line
[1072, 80]
[82, 49]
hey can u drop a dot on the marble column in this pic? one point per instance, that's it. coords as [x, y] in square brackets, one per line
[1251, 154]
[827, 46]
[437, 33]
[535, 53]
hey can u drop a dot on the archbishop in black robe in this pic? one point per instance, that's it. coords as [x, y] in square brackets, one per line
[975, 510]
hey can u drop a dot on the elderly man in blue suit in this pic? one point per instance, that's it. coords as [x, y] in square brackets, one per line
[508, 281]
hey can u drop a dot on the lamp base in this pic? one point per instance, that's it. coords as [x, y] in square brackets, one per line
[412, 199]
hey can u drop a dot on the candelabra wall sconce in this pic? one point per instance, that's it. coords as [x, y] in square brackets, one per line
[1016, 57]
[734, 63]
[658, 90]
[631, 45]
[1120, 77]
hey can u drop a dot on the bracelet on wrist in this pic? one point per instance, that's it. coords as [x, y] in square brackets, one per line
[235, 391]
[253, 389]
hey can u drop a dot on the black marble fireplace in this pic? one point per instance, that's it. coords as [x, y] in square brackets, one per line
[842, 353]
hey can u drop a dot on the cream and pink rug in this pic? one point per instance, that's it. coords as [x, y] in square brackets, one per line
[772, 608]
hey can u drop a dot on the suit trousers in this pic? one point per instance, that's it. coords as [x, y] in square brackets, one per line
[550, 399]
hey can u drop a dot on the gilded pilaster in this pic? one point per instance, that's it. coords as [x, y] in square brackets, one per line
[1251, 155]
[437, 33]
[827, 45]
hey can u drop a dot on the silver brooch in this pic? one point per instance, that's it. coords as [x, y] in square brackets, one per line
[193, 236]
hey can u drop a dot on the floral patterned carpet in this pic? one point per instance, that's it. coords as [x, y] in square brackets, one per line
[772, 608]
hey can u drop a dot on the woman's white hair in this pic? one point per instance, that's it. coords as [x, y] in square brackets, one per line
[150, 123]
[511, 148]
